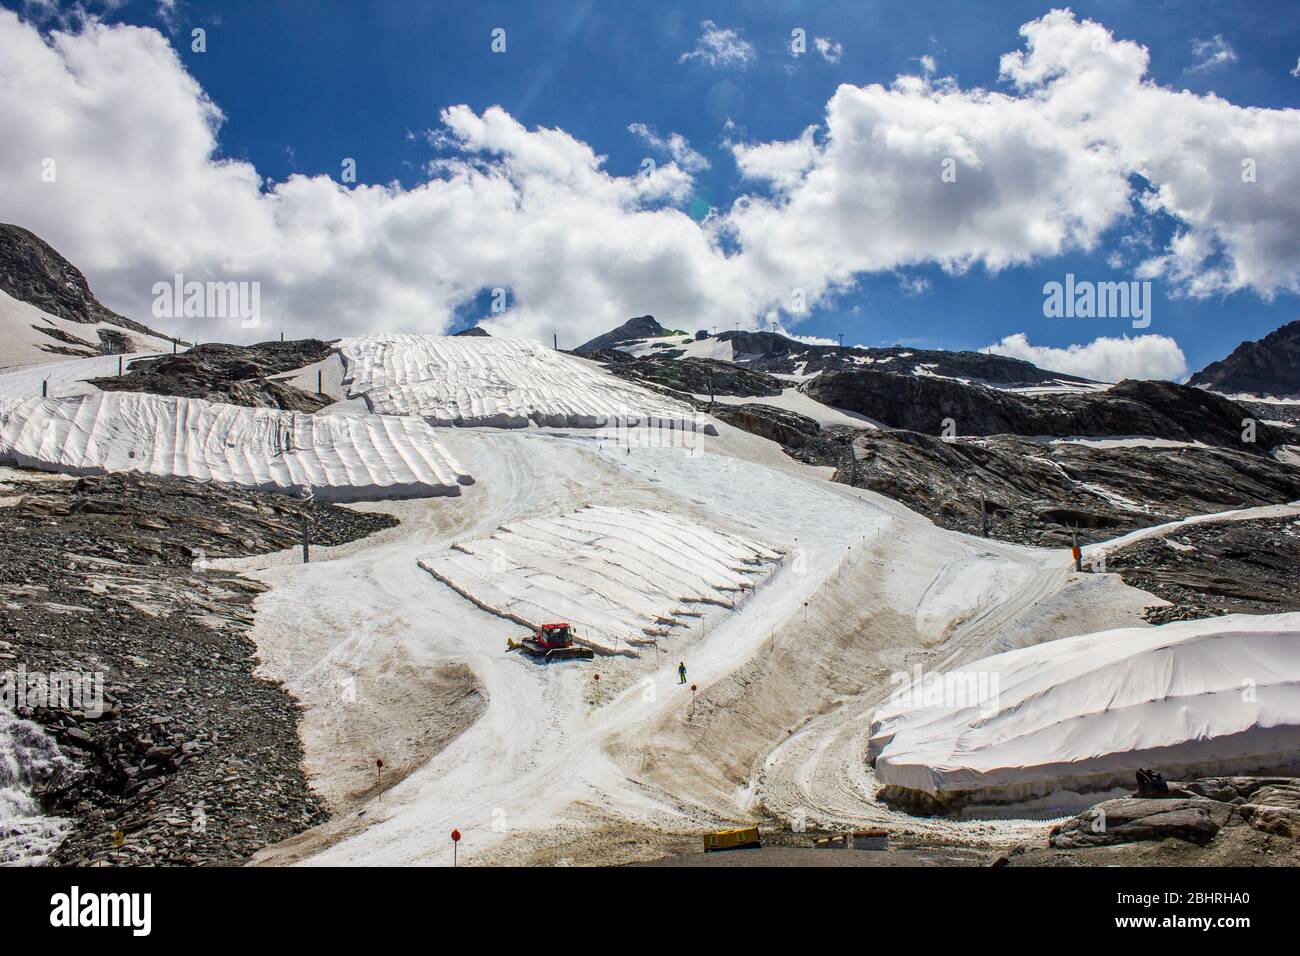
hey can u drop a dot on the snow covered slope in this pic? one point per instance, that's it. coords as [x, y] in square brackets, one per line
[508, 383]
[621, 576]
[68, 377]
[1083, 713]
[28, 335]
[339, 457]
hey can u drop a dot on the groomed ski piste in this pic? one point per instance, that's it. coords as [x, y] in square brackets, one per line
[334, 458]
[621, 576]
[505, 383]
[1083, 714]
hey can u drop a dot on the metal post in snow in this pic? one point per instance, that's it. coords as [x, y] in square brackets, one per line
[119, 366]
[306, 551]
[1075, 549]
[319, 389]
[45, 388]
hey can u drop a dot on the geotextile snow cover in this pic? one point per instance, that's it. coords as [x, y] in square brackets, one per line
[621, 576]
[336, 457]
[507, 383]
[1218, 695]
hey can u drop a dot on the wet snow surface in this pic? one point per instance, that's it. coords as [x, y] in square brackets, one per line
[620, 576]
[338, 457]
[508, 383]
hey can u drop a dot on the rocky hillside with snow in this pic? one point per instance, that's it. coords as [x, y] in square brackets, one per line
[1268, 368]
[46, 306]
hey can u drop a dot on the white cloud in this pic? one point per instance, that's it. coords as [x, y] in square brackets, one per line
[1210, 53]
[1103, 359]
[1295, 70]
[143, 193]
[720, 46]
[928, 63]
[674, 145]
[831, 50]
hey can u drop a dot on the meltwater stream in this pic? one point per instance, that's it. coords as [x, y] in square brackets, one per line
[27, 756]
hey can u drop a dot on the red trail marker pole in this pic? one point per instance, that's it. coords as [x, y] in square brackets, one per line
[455, 846]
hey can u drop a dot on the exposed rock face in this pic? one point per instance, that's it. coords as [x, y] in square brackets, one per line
[786, 428]
[1270, 366]
[233, 374]
[194, 759]
[695, 375]
[1133, 818]
[774, 352]
[1131, 408]
[32, 271]
[1215, 567]
[1037, 492]
[1195, 812]
[475, 330]
[633, 330]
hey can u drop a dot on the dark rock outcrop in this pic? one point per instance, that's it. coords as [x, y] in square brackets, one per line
[1195, 812]
[1215, 567]
[233, 374]
[1038, 492]
[194, 758]
[1129, 819]
[33, 272]
[786, 428]
[695, 375]
[1131, 408]
[473, 331]
[633, 330]
[1270, 366]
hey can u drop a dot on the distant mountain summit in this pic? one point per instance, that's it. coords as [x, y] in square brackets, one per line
[1268, 367]
[633, 330]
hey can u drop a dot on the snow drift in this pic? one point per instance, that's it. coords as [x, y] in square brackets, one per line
[336, 457]
[507, 383]
[620, 576]
[1084, 713]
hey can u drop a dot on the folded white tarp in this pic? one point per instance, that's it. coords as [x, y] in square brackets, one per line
[1195, 697]
[336, 457]
[507, 383]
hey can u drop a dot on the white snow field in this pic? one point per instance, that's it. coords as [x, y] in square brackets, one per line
[336, 457]
[23, 343]
[1193, 698]
[623, 577]
[505, 383]
[787, 679]
[67, 377]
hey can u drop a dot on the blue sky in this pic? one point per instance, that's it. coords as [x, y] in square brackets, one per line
[302, 84]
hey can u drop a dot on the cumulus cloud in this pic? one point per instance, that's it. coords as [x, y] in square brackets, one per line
[831, 50]
[720, 46]
[674, 145]
[1103, 359]
[1046, 167]
[1207, 54]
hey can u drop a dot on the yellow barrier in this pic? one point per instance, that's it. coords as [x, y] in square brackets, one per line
[731, 839]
